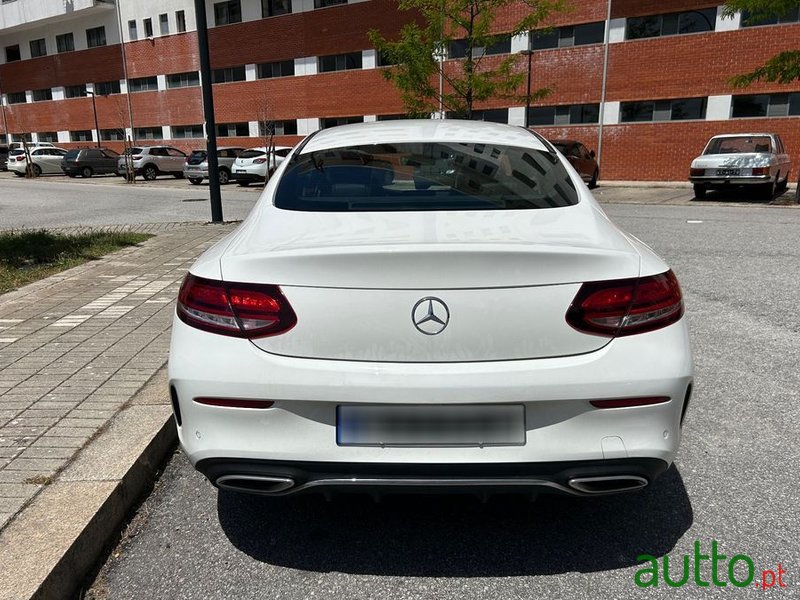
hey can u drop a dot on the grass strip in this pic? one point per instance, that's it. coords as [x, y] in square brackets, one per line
[27, 256]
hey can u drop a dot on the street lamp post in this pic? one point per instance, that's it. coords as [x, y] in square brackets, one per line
[94, 109]
[529, 54]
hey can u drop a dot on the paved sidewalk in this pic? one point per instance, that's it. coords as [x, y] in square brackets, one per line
[77, 346]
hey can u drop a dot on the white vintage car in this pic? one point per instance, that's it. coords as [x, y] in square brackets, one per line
[758, 160]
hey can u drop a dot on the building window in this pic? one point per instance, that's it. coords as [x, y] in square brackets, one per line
[336, 121]
[340, 62]
[38, 48]
[104, 88]
[95, 37]
[47, 136]
[65, 42]
[228, 74]
[16, 98]
[494, 115]
[228, 12]
[267, 128]
[680, 109]
[792, 16]
[112, 134]
[133, 34]
[148, 133]
[12, 53]
[148, 28]
[143, 84]
[84, 135]
[391, 117]
[326, 3]
[180, 21]
[179, 80]
[572, 35]
[163, 24]
[233, 130]
[75, 91]
[42, 95]
[284, 68]
[458, 49]
[21, 137]
[273, 8]
[692, 21]
[570, 114]
[187, 131]
[766, 105]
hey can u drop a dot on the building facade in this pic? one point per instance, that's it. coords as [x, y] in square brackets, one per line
[645, 83]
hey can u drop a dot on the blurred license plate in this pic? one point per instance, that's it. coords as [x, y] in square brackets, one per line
[727, 172]
[439, 425]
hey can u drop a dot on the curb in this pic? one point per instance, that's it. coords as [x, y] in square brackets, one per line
[55, 542]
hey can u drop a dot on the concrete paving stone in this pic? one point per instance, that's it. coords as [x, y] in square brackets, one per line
[86, 413]
[11, 505]
[18, 490]
[9, 452]
[75, 432]
[54, 452]
[50, 465]
[5, 518]
[62, 406]
[12, 431]
[82, 423]
[7, 414]
[61, 442]
[37, 412]
[20, 421]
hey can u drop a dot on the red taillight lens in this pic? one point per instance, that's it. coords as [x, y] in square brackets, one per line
[236, 309]
[627, 402]
[235, 402]
[627, 306]
[760, 171]
[259, 161]
[697, 172]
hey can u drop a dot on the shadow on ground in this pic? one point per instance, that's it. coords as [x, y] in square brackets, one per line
[457, 536]
[745, 196]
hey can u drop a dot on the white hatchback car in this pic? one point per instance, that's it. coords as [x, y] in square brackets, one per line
[427, 305]
[251, 165]
[44, 160]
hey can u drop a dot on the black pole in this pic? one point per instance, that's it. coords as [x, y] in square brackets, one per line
[208, 110]
[94, 110]
[528, 95]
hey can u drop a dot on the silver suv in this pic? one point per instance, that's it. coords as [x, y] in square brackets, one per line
[196, 167]
[152, 161]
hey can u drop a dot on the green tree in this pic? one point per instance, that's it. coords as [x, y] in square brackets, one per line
[784, 67]
[416, 54]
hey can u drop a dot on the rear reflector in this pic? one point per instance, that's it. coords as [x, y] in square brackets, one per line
[235, 402]
[235, 309]
[697, 172]
[627, 306]
[626, 402]
[758, 171]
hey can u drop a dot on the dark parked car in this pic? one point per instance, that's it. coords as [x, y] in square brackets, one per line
[89, 161]
[581, 159]
[3, 157]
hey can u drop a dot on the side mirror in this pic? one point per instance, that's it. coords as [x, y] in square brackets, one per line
[592, 154]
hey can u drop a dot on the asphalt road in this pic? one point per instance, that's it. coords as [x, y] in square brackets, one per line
[736, 479]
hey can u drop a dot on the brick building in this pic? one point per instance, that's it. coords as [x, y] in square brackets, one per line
[644, 82]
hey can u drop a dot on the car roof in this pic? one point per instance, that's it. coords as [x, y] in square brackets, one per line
[423, 130]
[730, 135]
[264, 148]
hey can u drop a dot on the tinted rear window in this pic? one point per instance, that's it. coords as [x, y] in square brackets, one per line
[733, 145]
[251, 153]
[72, 154]
[133, 151]
[425, 176]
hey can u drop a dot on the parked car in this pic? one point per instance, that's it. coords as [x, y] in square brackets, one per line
[21, 146]
[152, 161]
[480, 325]
[755, 160]
[251, 165]
[3, 157]
[581, 159]
[89, 161]
[195, 169]
[44, 160]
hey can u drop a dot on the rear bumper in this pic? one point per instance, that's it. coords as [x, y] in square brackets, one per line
[579, 478]
[195, 173]
[721, 181]
[252, 177]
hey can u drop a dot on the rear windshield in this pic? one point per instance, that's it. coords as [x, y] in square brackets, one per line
[425, 176]
[132, 151]
[252, 153]
[201, 154]
[734, 145]
[72, 154]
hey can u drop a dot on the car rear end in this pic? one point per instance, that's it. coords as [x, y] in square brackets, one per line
[196, 166]
[17, 162]
[457, 314]
[135, 156]
[70, 164]
[250, 166]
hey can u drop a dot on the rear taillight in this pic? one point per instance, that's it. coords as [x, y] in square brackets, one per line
[235, 402]
[760, 171]
[136, 157]
[697, 172]
[628, 402]
[235, 309]
[627, 306]
[259, 161]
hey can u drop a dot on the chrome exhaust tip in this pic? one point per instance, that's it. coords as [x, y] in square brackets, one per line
[610, 484]
[255, 484]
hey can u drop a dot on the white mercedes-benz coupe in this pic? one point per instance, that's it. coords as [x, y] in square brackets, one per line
[426, 306]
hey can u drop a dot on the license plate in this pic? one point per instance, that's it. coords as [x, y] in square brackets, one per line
[431, 426]
[727, 172]
[240, 171]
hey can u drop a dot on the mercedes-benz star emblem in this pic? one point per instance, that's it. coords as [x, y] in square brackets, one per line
[430, 316]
